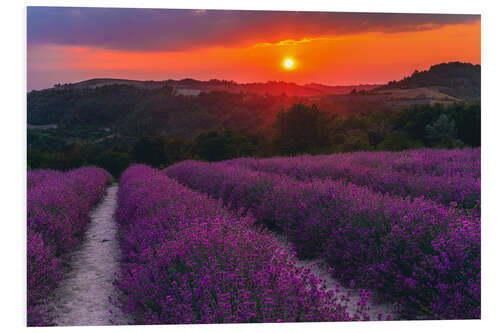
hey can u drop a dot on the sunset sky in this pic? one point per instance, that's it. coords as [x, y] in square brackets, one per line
[75, 44]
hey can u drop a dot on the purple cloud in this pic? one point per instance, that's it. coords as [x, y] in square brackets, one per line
[173, 29]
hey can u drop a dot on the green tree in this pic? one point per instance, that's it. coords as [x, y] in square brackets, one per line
[468, 120]
[177, 150]
[355, 143]
[35, 159]
[301, 129]
[63, 161]
[397, 141]
[222, 145]
[114, 162]
[442, 132]
[150, 150]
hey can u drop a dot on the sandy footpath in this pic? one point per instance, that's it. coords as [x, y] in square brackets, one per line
[83, 296]
[319, 268]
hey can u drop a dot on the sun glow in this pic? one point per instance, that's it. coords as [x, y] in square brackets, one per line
[288, 63]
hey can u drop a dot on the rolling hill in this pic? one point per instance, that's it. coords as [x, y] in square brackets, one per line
[453, 81]
[182, 108]
[443, 83]
[194, 87]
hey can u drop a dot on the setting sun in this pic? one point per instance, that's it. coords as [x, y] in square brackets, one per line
[288, 63]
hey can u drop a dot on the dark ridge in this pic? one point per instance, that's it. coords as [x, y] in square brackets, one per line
[457, 79]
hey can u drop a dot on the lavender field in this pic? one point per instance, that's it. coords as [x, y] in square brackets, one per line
[226, 242]
[213, 166]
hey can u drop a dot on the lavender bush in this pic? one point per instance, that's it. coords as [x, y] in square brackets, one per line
[435, 162]
[422, 254]
[36, 177]
[58, 205]
[187, 259]
[447, 177]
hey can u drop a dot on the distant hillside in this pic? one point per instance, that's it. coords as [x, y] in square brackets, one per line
[444, 83]
[194, 87]
[182, 108]
[456, 79]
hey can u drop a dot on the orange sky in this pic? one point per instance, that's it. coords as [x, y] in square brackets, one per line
[366, 57]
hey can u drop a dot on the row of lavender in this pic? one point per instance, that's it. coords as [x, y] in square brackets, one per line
[57, 214]
[186, 259]
[449, 177]
[435, 162]
[421, 254]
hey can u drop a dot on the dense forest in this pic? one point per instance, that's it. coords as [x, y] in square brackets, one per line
[115, 125]
[299, 129]
[133, 111]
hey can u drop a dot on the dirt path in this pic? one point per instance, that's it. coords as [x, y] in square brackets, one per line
[82, 298]
[318, 267]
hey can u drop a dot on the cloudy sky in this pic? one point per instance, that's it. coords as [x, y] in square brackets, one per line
[73, 44]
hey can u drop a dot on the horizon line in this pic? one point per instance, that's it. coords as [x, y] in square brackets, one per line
[242, 82]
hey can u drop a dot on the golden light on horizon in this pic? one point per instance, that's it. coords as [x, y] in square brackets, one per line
[338, 60]
[288, 63]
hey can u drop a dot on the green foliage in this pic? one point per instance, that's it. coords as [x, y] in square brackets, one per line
[139, 112]
[150, 150]
[62, 161]
[46, 140]
[468, 121]
[442, 129]
[301, 129]
[35, 159]
[115, 163]
[379, 126]
[177, 150]
[222, 145]
[467, 118]
[111, 126]
[68, 107]
[397, 141]
[355, 143]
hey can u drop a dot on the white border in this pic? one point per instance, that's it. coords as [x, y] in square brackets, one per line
[13, 88]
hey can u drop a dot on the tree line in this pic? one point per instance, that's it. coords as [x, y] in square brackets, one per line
[299, 129]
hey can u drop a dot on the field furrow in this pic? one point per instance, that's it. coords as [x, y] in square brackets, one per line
[417, 252]
[187, 259]
[448, 179]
